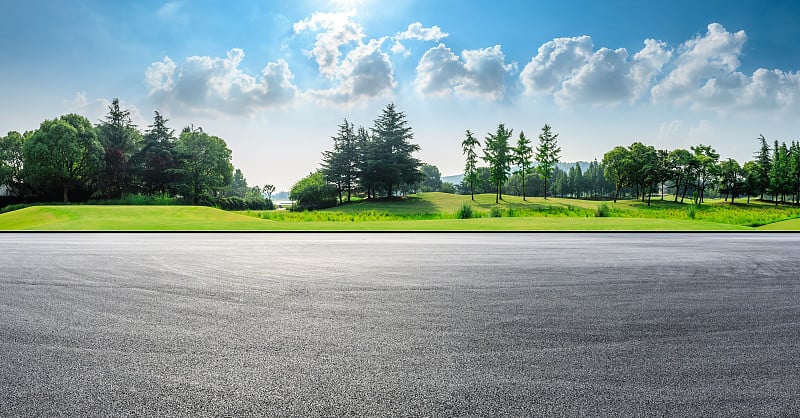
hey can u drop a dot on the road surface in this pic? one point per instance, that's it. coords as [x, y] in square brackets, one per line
[400, 324]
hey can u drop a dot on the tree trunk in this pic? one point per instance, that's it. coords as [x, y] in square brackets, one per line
[66, 193]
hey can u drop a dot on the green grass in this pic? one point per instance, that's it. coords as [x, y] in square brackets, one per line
[425, 212]
[126, 218]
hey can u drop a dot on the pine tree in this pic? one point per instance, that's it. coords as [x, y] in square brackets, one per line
[497, 154]
[765, 166]
[547, 154]
[522, 156]
[339, 166]
[391, 136]
[470, 168]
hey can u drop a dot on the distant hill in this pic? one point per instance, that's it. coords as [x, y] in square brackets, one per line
[456, 178]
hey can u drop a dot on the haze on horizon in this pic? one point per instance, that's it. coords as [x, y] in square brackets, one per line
[274, 79]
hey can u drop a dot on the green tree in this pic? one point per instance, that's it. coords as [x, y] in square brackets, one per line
[238, 186]
[731, 179]
[392, 137]
[431, 178]
[468, 146]
[340, 166]
[617, 164]
[547, 154]
[11, 163]
[65, 153]
[752, 179]
[522, 157]
[313, 192]
[779, 174]
[764, 162]
[204, 164]
[707, 168]
[119, 138]
[498, 155]
[156, 162]
[681, 163]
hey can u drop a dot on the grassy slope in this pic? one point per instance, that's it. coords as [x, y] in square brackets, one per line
[536, 214]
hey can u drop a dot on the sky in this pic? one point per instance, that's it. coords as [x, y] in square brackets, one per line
[276, 78]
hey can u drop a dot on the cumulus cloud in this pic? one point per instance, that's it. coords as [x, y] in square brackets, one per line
[481, 73]
[204, 83]
[569, 70]
[705, 62]
[366, 72]
[706, 76]
[419, 32]
[556, 61]
[334, 30]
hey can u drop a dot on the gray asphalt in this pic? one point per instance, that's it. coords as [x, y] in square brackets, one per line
[400, 324]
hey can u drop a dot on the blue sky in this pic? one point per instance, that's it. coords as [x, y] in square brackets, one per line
[274, 79]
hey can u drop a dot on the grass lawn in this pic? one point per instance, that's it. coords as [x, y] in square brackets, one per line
[126, 218]
[424, 212]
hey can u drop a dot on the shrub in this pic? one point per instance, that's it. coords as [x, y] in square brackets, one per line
[465, 211]
[495, 212]
[16, 206]
[313, 192]
[602, 211]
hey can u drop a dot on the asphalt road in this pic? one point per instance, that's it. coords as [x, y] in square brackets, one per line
[399, 324]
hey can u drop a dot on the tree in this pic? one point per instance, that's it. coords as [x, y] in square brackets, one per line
[547, 154]
[752, 179]
[204, 164]
[681, 163]
[522, 156]
[156, 161]
[707, 168]
[11, 162]
[238, 186]
[764, 163]
[470, 168]
[65, 153]
[732, 179]
[617, 163]
[269, 189]
[340, 166]
[119, 138]
[644, 169]
[431, 178]
[313, 192]
[779, 174]
[498, 155]
[395, 165]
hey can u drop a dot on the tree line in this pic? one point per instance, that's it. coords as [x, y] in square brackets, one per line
[637, 171]
[375, 162]
[68, 158]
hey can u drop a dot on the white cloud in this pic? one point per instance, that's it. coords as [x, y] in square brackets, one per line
[417, 31]
[556, 61]
[399, 49]
[217, 84]
[569, 70]
[481, 73]
[706, 76]
[172, 13]
[707, 63]
[365, 73]
[439, 71]
[334, 30]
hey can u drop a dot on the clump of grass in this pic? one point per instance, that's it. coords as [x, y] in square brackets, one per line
[465, 212]
[512, 213]
[602, 211]
[495, 212]
[691, 211]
